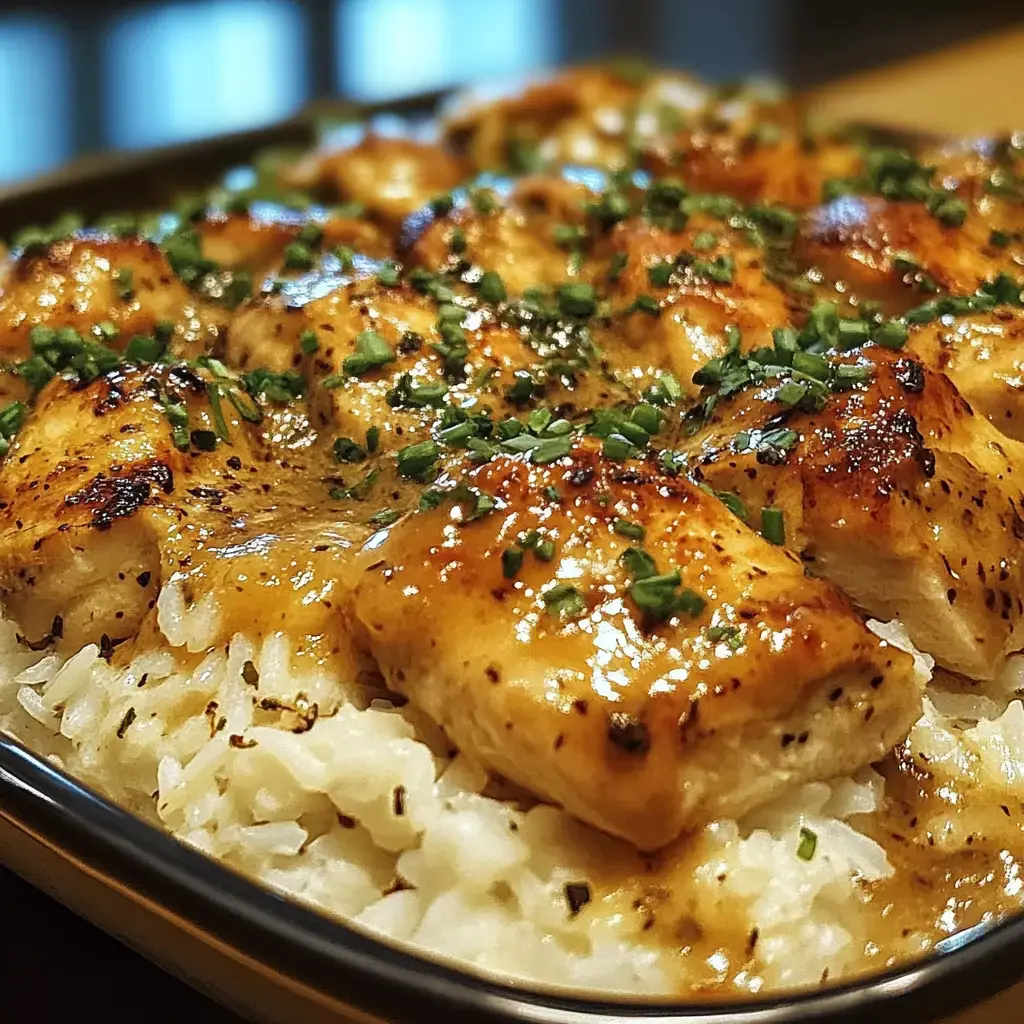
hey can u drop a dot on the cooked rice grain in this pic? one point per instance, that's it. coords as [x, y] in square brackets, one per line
[346, 808]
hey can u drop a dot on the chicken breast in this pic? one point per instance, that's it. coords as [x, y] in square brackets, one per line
[770, 163]
[682, 293]
[390, 176]
[625, 646]
[596, 116]
[258, 240]
[983, 354]
[898, 253]
[528, 235]
[897, 492]
[115, 489]
[104, 288]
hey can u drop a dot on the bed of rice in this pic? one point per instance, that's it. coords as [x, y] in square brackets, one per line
[288, 777]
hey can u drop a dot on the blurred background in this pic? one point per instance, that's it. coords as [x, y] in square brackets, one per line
[77, 77]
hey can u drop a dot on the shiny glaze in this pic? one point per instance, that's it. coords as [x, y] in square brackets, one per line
[900, 474]
[74, 284]
[634, 727]
[899, 496]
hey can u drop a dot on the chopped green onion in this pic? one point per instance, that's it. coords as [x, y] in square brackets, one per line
[853, 333]
[544, 551]
[457, 241]
[563, 601]
[125, 283]
[645, 304]
[813, 365]
[577, 300]
[215, 394]
[773, 525]
[491, 288]
[276, 387]
[952, 211]
[521, 390]
[890, 334]
[720, 270]
[483, 200]
[371, 352]
[849, 375]
[142, 349]
[346, 450]
[660, 274]
[808, 844]
[669, 386]
[388, 274]
[407, 394]
[551, 449]
[416, 460]
[790, 393]
[616, 447]
[458, 434]
[638, 563]
[624, 528]
[733, 502]
[442, 205]
[298, 256]
[511, 562]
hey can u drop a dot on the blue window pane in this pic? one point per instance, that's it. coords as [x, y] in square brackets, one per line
[390, 47]
[34, 109]
[187, 70]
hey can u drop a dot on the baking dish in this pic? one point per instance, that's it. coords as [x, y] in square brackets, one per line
[274, 960]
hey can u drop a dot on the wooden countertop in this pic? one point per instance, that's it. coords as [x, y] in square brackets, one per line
[973, 89]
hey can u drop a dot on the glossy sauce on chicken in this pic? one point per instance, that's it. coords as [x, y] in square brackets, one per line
[595, 430]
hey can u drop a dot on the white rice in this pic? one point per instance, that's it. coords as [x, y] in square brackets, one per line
[351, 809]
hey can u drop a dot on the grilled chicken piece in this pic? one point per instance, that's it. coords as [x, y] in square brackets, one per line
[577, 117]
[100, 508]
[390, 177]
[514, 235]
[753, 167]
[93, 279]
[897, 493]
[983, 354]
[402, 395]
[399, 394]
[898, 253]
[717, 283]
[256, 240]
[594, 116]
[551, 675]
[89, 280]
[89, 485]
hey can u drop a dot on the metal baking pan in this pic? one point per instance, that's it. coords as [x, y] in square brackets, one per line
[276, 961]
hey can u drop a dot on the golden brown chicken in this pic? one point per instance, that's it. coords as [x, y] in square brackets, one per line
[897, 253]
[625, 646]
[105, 288]
[983, 354]
[897, 492]
[269, 237]
[608, 546]
[390, 177]
[116, 488]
